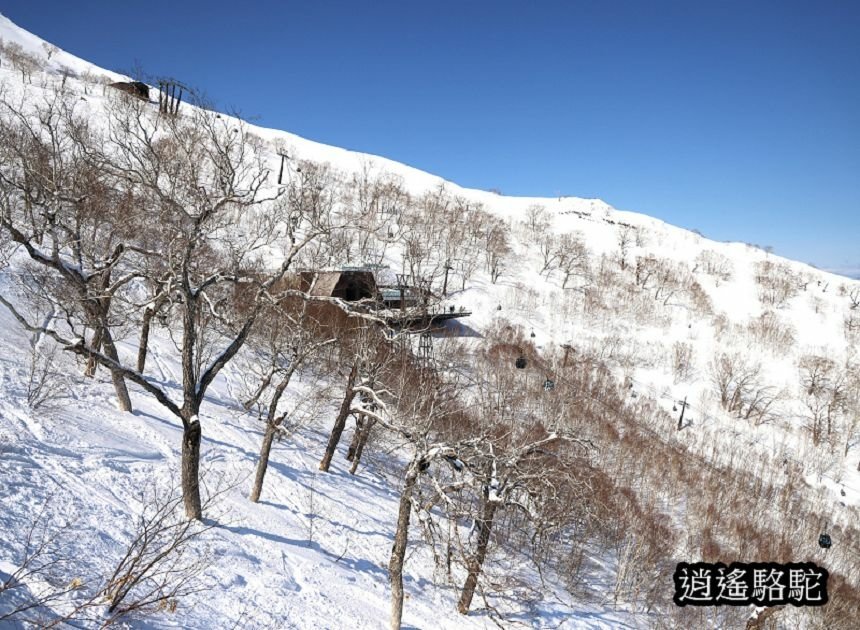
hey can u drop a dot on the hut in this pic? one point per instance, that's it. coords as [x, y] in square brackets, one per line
[135, 88]
[350, 285]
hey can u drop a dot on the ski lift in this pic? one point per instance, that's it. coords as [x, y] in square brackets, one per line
[533, 334]
[499, 307]
[521, 363]
[824, 541]
[548, 385]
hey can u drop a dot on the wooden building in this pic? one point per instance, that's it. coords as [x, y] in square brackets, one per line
[401, 303]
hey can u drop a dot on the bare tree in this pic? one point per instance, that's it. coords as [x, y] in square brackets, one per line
[160, 564]
[60, 208]
[421, 233]
[626, 238]
[50, 50]
[522, 463]
[158, 567]
[507, 461]
[24, 62]
[312, 196]
[777, 283]
[537, 221]
[203, 180]
[852, 324]
[854, 297]
[547, 244]
[414, 419]
[35, 584]
[291, 333]
[682, 360]
[737, 381]
[159, 297]
[770, 331]
[207, 174]
[825, 393]
[573, 258]
[526, 473]
[714, 264]
[497, 249]
[44, 385]
[366, 352]
[374, 203]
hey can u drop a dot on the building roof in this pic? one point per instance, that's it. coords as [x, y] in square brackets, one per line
[351, 285]
[326, 281]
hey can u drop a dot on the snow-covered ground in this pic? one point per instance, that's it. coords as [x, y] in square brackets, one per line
[314, 552]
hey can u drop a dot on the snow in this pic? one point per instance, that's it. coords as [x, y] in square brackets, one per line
[313, 553]
[59, 60]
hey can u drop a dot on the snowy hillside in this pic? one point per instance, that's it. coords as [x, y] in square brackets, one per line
[312, 554]
[634, 322]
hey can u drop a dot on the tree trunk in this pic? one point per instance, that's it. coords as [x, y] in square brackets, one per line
[148, 314]
[356, 437]
[122, 397]
[263, 463]
[362, 441]
[262, 388]
[191, 469]
[340, 421]
[272, 424]
[476, 562]
[96, 342]
[398, 550]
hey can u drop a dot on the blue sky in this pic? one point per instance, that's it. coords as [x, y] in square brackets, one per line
[739, 119]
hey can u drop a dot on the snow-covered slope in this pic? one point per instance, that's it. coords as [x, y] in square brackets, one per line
[53, 59]
[314, 552]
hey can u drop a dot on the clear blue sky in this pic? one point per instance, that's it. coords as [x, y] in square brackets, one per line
[740, 119]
